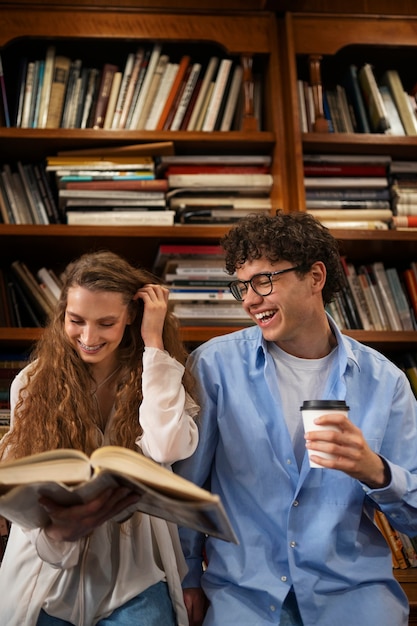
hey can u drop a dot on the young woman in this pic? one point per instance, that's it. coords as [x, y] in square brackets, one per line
[109, 369]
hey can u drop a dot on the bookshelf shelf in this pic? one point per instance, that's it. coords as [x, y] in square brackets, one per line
[42, 143]
[343, 143]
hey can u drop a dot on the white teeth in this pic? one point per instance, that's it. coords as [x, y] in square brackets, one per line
[261, 316]
[89, 348]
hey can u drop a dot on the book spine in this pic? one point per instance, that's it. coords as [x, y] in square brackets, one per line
[46, 86]
[121, 98]
[186, 96]
[182, 69]
[411, 285]
[400, 298]
[103, 94]
[205, 85]
[373, 99]
[58, 87]
[114, 94]
[217, 95]
[4, 96]
[147, 80]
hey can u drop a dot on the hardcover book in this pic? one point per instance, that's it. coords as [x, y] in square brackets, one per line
[70, 477]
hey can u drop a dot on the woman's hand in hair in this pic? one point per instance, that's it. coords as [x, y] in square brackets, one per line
[155, 303]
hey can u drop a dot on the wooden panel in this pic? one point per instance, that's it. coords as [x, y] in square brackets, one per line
[236, 33]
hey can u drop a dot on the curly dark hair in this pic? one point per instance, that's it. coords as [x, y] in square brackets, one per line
[296, 237]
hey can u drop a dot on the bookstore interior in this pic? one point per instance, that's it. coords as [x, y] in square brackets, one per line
[148, 128]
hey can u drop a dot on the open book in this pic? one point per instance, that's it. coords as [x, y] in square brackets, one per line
[70, 477]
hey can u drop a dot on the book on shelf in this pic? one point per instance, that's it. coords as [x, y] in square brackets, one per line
[349, 195]
[368, 270]
[348, 118]
[410, 282]
[169, 253]
[4, 100]
[21, 85]
[387, 295]
[141, 59]
[90, 97]
[120, 217]
[70, 477]
[71, 95]
[219, 92]
[405, 221]
[112, 103]
[212, 216]
[357, 294]
[146, 55]
[352, 159]
[45, 94]
[161, 83]
[345, 169]
[364, 215]
[109, 196]
[232, 98]
[305, 126]
[186, 96]
[241, 160]
[28, 94]
[347, 204]
[102, 100]
[149, 65]
[118, 163]
[392, 80]
[116, 183]
[193, 201]
[46, 277]
[199, 294]
[122, 93]
[357, 225]
[375, 105]
[259, 182]
[400, 298]
[368, 292]
[209, 74]
[173, 92]
[80, 93]
[329, 182]
[396, 126]
[212, 168]
[60, 77]
[354, 94]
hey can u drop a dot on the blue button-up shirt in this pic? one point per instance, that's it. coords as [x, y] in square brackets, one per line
[310, 529]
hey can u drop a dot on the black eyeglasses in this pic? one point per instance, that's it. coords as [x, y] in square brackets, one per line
[260, 283]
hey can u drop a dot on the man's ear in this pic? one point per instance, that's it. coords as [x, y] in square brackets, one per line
[318, 273]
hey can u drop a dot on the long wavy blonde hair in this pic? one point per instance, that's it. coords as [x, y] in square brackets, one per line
[55, 408]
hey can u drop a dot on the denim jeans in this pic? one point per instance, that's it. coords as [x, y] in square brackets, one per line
[290, 615]
[153, 607]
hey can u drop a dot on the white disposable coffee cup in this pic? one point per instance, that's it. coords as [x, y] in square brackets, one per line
[312, 409]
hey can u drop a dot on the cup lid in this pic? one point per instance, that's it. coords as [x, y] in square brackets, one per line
[317, 405]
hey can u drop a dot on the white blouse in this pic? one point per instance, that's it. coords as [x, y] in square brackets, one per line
[86, 580]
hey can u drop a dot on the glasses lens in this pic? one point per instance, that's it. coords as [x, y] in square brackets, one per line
[262, 284]
[238, 289]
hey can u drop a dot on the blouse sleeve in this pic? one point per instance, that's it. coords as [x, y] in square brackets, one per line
[167, 412]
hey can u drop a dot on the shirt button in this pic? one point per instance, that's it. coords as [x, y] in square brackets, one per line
[288, 461]
[273, 608]
[284, 579]
[292, 544]
[295, 503]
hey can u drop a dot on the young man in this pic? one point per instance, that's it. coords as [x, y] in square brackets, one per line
[309, 552]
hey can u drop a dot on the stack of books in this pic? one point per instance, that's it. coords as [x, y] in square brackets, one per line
[404, 193]
[198, 285]
[110, 190]
[206, 189]
[348, 191]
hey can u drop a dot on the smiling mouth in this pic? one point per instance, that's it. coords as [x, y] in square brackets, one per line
[265, 316]
[90, 348]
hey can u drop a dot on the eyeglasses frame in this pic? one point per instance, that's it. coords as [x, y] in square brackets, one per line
[268, 274]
